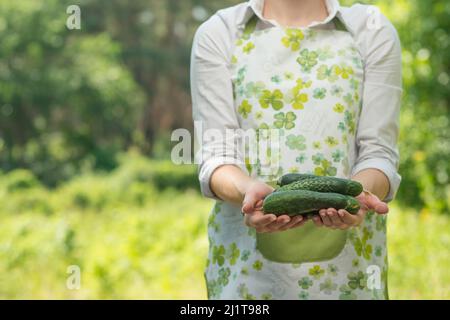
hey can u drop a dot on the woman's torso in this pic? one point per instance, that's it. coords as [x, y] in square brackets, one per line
[306, 85]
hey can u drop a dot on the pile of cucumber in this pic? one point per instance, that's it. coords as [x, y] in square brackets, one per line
[306, 194]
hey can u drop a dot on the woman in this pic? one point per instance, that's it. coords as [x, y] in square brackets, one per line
[328, 79]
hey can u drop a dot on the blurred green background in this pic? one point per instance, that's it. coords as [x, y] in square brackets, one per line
[85, 122]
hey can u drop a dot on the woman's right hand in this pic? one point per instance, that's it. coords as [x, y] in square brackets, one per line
[263, 222]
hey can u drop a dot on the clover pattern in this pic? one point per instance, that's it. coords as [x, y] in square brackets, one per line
[266, 296]
[292, 39]
[244, 109]
[253, 89]
[307, 60]
[212, 223]
[349, 123]
[241, 75]
[233, 253]
[272, 99]
[380, 223]
[331, 141]
[284, 120]
[276, 79]
[245, 255]
[219, 255]
[338, 155]
[297, 97]
[214, 288]
[248, 47]
[328, 286]
[333, 269]
[320, 93]
[305, 283]
[301, 158]
[303, 295]
[293, 169]
[316, 272]
[357, 280]
[325, 168]
[361, 244]
[244, 293]
[346, 293]
[338, 108]
[325, 72]
[325, 53]
[336, 91]
[296, 142]
[224, 274]
[257, 265]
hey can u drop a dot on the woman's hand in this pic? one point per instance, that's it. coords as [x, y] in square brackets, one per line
[342, 219]
[255, 217]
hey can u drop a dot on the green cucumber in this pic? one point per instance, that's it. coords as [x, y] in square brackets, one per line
[292, 177]
[295, 202]
[325, 184]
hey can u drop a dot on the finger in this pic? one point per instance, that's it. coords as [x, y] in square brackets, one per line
[299, 224]
[294, 220]
[259, 221]
[248, 206]
[381, 208]
[374, 203]
[249, 218]
[281, 221]
[249, 203]
[349, 219]
[335, 218]
[317, 221]
[325, 219]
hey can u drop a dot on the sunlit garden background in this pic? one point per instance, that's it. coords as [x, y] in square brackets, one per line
[85, 175]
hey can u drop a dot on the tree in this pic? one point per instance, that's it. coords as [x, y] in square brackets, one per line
[66, 101]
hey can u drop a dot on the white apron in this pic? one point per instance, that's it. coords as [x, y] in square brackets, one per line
[307, 84]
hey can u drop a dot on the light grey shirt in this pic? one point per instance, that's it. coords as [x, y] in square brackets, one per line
[379, 46]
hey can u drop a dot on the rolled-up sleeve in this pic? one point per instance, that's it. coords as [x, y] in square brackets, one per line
[215, 119]
[378, 127]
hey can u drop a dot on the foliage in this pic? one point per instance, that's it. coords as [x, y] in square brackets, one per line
[66, 101]
[425, 136]
[135, 182]
[423, 27]
[418, 255]
[124, 230]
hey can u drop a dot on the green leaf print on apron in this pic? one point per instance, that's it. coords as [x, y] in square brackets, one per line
[306, 83]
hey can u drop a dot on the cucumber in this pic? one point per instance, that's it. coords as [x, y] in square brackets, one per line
[325, 184]
[295, 202]
[292, 177]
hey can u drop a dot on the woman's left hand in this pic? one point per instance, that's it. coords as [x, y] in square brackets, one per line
[342, 219]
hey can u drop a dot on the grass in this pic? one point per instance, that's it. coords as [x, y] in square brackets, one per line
[419, 255]
[154, 252]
